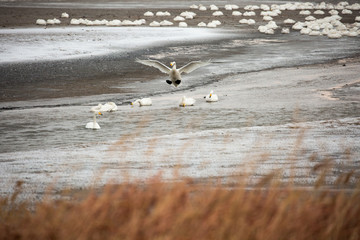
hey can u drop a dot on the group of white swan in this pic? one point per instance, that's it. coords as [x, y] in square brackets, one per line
[112, 107]
[175, 79]
[313, 25]
[329, 26]
[96, 110]
[52, 21]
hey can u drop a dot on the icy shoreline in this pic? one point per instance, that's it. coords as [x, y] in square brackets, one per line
[42, 44]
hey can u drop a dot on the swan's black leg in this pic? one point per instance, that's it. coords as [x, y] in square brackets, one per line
[178, 82]
[169, 82]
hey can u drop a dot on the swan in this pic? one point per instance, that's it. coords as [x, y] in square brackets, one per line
[115, 22]
[50, 22]
[202, 24]
[186, 102]
[211, 97]
[236, 13]
[251, 7]
[211, 25]
[319, 12]
[346, 11]
[228, 7]
[267, 18]
[142, 102]
[243, 21]
[217, 22]
[183, 24]
[264, 7]
[289, 21]
[285, 30]
[305, 12]
[174, 74]
[166, 23]
[107, 107]
[179, 18]
[218, 13]
[74, 21]
[202, 8]
[310, 18]
[40, 22]
[149, 14]
[187, 13]
[56, 21]
[154, 24]
[213, 7]
[249, 14]
[93, 124]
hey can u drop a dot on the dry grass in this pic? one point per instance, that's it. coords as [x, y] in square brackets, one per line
[185, 210]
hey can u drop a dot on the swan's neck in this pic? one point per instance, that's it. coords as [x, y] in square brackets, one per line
[94, 119]
[174, 67]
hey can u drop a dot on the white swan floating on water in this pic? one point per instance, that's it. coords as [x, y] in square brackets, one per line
[186, 101]
[107, 107]
[93, 124]
[211, 97]
[142, 102]
[174, 74]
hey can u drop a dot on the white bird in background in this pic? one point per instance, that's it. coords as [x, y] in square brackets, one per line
[186, 102]
[174, 74]
[93, 124]
[211, 97]
[142, 102]
[107, 107]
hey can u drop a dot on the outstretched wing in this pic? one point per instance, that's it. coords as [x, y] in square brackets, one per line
[191, 66]
[153, 63]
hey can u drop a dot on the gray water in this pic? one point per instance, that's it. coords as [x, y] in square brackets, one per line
[59, 122]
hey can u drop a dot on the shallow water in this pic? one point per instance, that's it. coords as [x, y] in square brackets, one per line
[232, 52]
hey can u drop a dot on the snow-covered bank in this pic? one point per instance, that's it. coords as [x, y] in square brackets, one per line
[42, 44]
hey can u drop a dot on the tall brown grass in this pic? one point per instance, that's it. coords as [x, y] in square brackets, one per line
[186, 210]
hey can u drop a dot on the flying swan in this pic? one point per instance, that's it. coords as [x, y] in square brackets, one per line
[174, 74]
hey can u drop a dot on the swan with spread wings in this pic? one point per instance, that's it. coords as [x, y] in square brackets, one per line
[174, 73]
